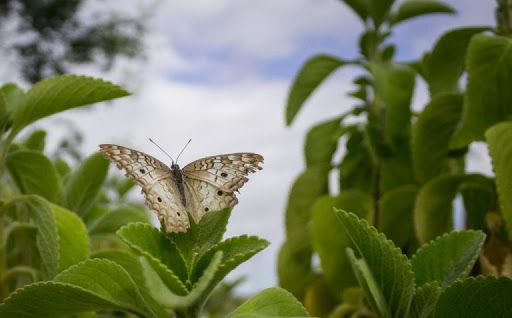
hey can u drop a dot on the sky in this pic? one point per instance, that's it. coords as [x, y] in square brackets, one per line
[219, 72]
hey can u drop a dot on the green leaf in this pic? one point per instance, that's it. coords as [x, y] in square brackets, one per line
[294, 263]
[432, 134]
[327, 235]
[271, 302]
[200, 237]
[478, 200]
[394, 85]
[84, 184]
[447, 258]
[322, 142]
[398, 204]
[446, 64]
[312, 74]
[368, 284]
[52, 299]
[166, 297]
[356, 170]
[488, 95]
[499, 137]
[12, 96]
[161, 252]
[109, 281]
[390, 269]
[433, 209]
[483, 296]
[235, 251]
[4, 115]
[131, 264]
[413, 8]
[47, 238]
[110, 222]
[73, 238]
[34, 173]
[60, 93]
[425, 300]
[36, 140]
[379, 10]
[360, 7]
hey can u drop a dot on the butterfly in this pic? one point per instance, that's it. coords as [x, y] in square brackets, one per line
[204, 185]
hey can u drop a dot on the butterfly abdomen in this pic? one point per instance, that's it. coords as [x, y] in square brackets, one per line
[178, 179]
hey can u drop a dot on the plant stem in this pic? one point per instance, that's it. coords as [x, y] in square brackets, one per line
[504, 17]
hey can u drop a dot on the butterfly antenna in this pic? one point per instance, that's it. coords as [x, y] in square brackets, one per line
[183, 149]
[154, 143]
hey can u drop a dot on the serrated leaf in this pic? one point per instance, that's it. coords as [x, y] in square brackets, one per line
[109, 281]
[488, 94]
[84, 184]
[162, 253]
[271, 302]
[447, 258]
[398, 204]
[60, 93]
[394, 85]
[390, 269]
[432, 134]
[368, 284]
[498, 138]
[483, 296]
[34, 174]
[110, 222]
[73, 238]
[36, 140]
[235, 251]
[413, 8]
[311, 75]
[52, 299]
[200, 237]
[160, 291]
[47, 239]
[321, 142]
[433, 209]
[425, 300]
[327, 235]
[294, 263]
[445, 66]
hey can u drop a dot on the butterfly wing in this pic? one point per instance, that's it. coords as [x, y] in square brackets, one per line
[157, 183]
[226, 172]
[213, 180]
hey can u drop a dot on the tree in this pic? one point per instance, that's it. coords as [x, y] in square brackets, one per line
[52, 35]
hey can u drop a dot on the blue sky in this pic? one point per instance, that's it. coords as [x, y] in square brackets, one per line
[219, 72]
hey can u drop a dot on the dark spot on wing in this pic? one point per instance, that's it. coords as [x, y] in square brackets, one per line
[142, 171]
[159, 199]
[206, 209]
[224, 174]
[220, 192]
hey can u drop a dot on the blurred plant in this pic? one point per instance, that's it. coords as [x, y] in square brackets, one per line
[399, 172]
[72, 243]
[53, 34]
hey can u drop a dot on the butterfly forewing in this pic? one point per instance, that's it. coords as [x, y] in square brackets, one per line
[157, 184]
[227, 172]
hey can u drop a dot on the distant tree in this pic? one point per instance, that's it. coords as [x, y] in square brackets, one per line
[51, 35]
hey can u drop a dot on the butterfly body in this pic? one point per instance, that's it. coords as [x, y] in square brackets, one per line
[204, 185]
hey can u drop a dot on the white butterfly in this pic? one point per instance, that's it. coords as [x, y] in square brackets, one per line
[207, 184]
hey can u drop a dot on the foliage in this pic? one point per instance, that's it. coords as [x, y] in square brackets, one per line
[433, 283]
[401, 172]
[72, 243]
[60, 34]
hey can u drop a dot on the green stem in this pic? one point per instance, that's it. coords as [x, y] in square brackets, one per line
[504, 17]
[192, 312]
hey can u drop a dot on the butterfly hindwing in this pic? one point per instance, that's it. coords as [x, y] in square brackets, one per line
[157, 185]
[205, 197]
[226, 172]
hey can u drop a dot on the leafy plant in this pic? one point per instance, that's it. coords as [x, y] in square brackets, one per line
[73, 244]
[401, 171]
